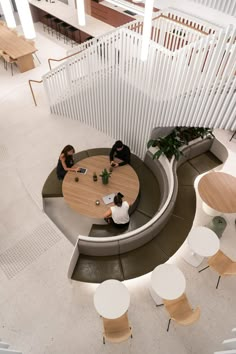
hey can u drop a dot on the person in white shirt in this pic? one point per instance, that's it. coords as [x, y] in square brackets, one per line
[119, 213]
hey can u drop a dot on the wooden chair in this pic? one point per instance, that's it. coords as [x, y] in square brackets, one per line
[13, 30]
[8, 60]
[117, 330]
[181, 311]
[32, 42]
[222, 264]
[1, 54]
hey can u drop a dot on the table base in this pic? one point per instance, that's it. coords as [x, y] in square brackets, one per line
[190, 257]
[209, 211]
[157, 299]
[25, 63]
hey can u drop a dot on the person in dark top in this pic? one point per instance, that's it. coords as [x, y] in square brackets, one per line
[66, 162]
[122, 152]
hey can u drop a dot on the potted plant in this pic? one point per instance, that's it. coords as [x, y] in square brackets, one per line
[105, 176]
[191, 133]
[171, 144]
[168, 145]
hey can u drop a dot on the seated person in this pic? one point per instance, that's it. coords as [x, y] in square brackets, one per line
[120, 151]
[66, 162]
[119, 213]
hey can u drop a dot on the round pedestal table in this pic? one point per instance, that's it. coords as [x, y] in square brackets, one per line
[218, 193]
[168, 282]
[202, 242]
[111, 299]
[82, 195]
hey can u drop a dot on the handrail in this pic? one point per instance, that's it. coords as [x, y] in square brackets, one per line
[134, 28]
[68, 56]
[31, 89]
[184, 24]
[173, 20]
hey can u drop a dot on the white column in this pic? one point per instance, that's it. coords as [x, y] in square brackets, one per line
[8, 13]
[147, 26]
[81, 12]
[25, 18]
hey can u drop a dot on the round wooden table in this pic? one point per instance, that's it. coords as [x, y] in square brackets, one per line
[111, 299]
[218, 191]
[81, 196]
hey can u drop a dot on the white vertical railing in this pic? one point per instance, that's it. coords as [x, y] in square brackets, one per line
[227, 6]
[108, 87]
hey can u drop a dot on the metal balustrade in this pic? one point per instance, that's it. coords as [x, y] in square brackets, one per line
[187, 80]
[226, 6]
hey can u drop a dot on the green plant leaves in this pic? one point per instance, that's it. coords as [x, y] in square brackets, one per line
[170, 145]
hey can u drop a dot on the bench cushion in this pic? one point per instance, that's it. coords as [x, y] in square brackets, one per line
[186, 174]
[142, 260]
[185, 205]
[106, 230]
[149, 198]
[97, 269]
[99, 151]
[205, 162]
[52, 187]
[173, 235]
[80, 156]
[135, 162]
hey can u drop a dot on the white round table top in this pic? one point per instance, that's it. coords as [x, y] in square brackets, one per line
[111, 299]
[168, 281]
[203, 241]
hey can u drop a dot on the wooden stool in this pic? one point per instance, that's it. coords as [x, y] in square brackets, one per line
[48, 25]
[57, 22]
[71, 31]
[63, 29]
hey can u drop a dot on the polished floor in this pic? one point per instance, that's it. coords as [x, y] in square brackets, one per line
[41, 311]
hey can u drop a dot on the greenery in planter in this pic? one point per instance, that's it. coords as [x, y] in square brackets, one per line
[105, 176]
[170, 145]
[189, 134]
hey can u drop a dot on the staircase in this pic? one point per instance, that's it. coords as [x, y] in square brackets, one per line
[188, 80]
[4, 349]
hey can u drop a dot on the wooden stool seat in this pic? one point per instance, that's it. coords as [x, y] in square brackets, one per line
[70, 33]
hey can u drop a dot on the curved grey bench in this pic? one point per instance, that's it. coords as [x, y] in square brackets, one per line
[147, 204]
[132, 240]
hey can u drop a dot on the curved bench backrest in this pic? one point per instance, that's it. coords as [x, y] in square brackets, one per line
[134, 239]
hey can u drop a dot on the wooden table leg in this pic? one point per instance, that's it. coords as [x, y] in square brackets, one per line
[25, 63]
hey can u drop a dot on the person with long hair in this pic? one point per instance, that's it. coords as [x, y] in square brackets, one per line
[119, 213]
[65, 162]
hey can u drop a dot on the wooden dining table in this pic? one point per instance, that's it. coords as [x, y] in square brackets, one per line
[17, 48]
[218, 191]
[82, 195]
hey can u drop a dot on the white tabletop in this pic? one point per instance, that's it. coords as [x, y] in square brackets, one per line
[168, 281]
[111, 299]
[203, 241]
